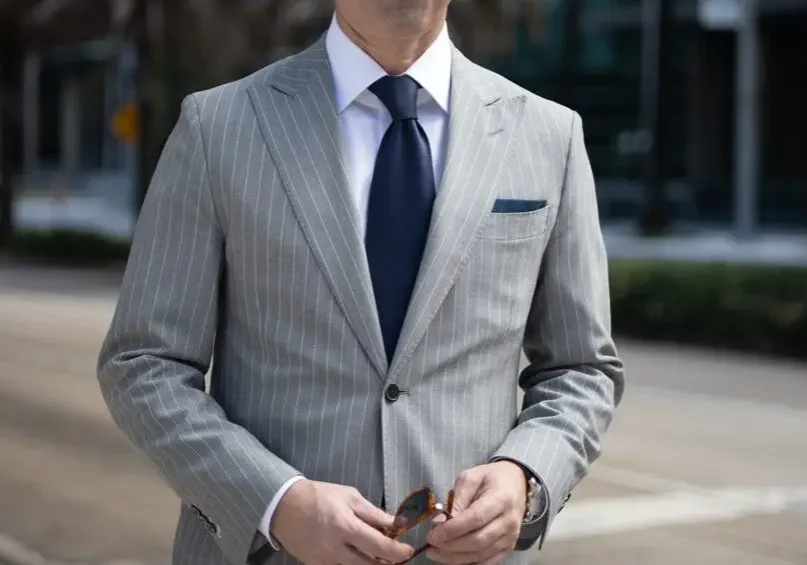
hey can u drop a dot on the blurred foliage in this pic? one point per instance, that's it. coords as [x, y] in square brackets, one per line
[194, 44]
[68, 247]
[45, 23]
[227, 37]
[751, 308]
[231, 38]
[250, 33]
[190, 45]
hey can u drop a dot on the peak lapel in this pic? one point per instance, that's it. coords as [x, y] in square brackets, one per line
[298, 120]
[481, 124]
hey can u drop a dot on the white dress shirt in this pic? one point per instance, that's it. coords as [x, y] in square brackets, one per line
[364, 120]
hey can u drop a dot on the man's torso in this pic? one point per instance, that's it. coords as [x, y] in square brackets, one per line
[299, 360]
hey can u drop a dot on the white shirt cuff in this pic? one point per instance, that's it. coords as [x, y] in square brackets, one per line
[266, 522]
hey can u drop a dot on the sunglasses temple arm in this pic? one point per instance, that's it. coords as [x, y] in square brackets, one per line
[417, 552]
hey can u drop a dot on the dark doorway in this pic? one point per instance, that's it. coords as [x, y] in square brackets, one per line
[783, 159]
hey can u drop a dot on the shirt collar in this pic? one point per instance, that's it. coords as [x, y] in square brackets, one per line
[354, 70]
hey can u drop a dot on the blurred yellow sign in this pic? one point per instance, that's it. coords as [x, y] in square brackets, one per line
[126, 123]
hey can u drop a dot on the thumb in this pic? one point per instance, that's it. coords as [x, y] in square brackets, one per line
[372, 515]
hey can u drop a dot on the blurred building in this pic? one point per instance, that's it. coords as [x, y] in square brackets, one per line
[76, 172]
[589, 55]
[591, 59]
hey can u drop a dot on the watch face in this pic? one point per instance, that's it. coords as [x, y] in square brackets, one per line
[532, 509]
[532, 499]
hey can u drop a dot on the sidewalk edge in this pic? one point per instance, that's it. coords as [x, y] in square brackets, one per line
[13, 552]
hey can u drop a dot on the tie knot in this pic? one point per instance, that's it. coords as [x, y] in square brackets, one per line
[399, 95]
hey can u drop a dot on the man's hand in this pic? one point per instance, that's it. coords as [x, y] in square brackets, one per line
[489, 503]
[328, 524]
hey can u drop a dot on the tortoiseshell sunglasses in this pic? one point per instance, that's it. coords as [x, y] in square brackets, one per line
[419, 506]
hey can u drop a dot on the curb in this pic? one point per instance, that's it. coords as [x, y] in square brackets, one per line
[13, 552]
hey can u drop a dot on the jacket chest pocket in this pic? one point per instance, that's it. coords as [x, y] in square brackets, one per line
[515, 225]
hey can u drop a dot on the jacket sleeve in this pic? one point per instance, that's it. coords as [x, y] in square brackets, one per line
[574, 379]
[153, 362]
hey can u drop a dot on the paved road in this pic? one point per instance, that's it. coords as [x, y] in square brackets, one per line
[706, 463]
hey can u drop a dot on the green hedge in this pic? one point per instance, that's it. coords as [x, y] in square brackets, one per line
[749, 308]
[68, 247]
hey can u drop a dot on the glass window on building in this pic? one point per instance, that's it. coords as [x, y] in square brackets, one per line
[783, 163]
[590, 60]
[75, 95]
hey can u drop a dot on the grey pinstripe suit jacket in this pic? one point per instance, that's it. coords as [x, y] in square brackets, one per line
[247, 253]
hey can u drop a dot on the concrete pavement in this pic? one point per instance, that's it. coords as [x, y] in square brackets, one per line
[706, 462]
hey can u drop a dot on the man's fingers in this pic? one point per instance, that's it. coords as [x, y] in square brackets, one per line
[482, 546]
[439, 519]
[481, 540]
[352, 556]
[483, 511]
[496, 559]
[372, 515]
[465, 489]
[451, 558]
[373, 543]
[462, 557]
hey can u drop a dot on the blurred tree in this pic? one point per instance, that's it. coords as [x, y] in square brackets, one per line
[187, 45]
[10, 71]
[236, 36]
[32, 25]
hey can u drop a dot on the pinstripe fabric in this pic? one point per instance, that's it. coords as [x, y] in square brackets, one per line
[248, 251]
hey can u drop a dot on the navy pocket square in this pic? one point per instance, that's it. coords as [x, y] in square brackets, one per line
[516, 206]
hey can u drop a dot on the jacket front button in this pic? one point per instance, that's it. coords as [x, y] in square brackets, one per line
[392, 394]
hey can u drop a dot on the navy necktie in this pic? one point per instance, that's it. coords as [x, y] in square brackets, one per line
[401, 198]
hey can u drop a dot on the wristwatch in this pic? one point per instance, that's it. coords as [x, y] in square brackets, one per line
[532, 510]
[535, 513]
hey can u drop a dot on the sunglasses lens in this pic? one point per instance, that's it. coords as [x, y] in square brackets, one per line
[415, 505]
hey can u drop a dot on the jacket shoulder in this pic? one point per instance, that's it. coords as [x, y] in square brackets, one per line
[211, 101]
[535, 103]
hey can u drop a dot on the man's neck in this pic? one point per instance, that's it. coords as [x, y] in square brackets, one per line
[393, 53]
